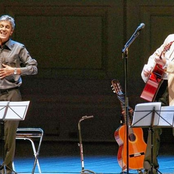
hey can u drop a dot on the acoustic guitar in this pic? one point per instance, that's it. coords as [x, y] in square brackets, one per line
[155, 79]
[153, 83]
[137, 146]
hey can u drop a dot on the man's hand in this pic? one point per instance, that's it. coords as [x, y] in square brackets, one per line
[160, 61]
[130, 111]
[147, 70]
[6, 71]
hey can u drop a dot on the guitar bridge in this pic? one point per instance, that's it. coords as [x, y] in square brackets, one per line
[137, 154]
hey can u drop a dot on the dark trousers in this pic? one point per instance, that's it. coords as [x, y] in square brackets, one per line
[162, 96]
[10, 128]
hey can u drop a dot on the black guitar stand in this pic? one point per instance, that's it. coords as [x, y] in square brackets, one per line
[83, 171]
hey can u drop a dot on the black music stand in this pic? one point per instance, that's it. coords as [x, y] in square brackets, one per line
[11, 111]
[153, 115]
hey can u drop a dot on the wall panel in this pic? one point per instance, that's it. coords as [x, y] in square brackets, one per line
[77, 45]
[73, 38]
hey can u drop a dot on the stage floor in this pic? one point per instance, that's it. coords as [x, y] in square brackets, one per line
[72, 165]
[64, 158]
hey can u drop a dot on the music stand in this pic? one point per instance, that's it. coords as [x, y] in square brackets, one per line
[153, 115]
[12, 111]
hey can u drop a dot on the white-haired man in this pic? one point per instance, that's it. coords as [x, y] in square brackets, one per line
[15, 61]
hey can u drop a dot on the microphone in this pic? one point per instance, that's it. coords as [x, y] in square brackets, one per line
[133, 37]
[140, 27]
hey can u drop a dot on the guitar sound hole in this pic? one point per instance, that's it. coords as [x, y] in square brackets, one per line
[132, 137]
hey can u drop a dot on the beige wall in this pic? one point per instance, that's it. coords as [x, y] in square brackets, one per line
[78, 45]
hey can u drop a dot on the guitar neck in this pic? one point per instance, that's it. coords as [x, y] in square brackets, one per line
[122, 101]
[123, 107]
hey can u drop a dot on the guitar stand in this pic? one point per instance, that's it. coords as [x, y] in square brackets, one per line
[83, 171]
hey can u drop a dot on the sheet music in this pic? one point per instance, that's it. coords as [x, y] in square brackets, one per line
[167, 116]
[13, 110]
[3, 105]
[142, 116]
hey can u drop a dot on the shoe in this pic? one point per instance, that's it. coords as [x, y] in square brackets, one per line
[139, 171]
[149, 171]
[123, 172]
[2, 171]
[7, 172]
[1, 167]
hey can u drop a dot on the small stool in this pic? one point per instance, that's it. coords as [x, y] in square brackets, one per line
[30, 134]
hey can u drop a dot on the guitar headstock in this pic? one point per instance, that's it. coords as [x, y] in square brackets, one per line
[116, 87]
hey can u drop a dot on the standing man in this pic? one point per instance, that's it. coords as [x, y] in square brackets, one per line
[15, 61]
[163, 56]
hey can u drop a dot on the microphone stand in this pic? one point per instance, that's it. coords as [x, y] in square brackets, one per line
[125, 57]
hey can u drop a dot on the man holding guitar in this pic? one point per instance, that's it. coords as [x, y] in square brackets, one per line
[158, 74]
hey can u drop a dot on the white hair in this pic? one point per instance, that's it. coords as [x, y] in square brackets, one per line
[8, 18]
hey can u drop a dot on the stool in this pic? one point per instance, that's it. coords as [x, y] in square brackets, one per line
[30, 134]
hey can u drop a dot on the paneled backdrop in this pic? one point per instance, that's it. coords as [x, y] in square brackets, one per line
[78, 46]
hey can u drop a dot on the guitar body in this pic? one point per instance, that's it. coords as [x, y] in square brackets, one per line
[153, 83]
[136, 147]
[155, 79]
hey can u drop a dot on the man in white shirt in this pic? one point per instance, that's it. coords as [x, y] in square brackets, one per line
[163, 56]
